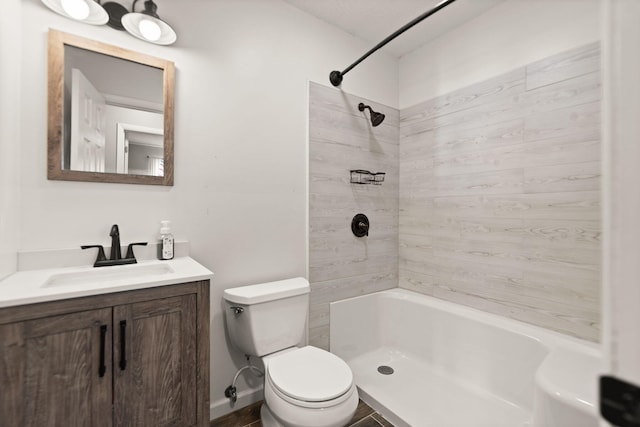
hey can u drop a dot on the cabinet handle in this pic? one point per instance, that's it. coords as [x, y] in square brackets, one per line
[123, 356]
[103, 338]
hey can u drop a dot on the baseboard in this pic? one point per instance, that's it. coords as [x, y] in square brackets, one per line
[224, 406]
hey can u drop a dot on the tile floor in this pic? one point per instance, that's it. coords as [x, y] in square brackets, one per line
[250, 417]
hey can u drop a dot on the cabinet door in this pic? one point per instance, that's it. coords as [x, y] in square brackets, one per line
[12, 370]
[155, 362]
[59, 370]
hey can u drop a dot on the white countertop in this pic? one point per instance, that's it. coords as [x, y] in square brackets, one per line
[34, 286]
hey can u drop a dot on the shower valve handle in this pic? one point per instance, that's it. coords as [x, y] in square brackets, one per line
[360, 225]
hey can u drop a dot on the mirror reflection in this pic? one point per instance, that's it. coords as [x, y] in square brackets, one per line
[111, 113]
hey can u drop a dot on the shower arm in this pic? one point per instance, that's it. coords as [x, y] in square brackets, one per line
[336, 76]
[364, 107]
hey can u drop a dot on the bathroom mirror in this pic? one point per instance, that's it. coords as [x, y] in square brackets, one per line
[110, 113]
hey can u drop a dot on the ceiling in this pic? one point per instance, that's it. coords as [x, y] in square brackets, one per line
[373, 20]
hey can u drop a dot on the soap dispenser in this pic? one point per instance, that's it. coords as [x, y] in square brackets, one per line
[165, 249]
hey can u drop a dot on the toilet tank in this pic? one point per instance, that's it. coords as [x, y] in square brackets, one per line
[268, 317]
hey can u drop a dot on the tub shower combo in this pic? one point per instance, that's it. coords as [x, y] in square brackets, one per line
[424, 361]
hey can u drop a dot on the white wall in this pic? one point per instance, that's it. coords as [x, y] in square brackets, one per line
[10, 50]
[240, 134]
[510, 35]
[621, 212]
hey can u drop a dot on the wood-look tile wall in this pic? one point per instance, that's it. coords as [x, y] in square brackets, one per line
[341, 265]
[500, 194]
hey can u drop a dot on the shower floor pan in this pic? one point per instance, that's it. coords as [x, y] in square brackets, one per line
[419, 395]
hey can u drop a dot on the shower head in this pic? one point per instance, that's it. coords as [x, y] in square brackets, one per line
[376, 118]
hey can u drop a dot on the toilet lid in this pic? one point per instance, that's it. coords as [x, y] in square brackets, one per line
[310, 374]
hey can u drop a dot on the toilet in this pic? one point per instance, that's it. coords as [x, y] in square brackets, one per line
[304, 386]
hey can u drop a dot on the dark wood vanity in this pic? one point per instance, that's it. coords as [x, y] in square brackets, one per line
[134, 358]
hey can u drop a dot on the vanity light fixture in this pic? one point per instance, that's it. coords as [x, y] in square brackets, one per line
[145, 25]
[87, 11]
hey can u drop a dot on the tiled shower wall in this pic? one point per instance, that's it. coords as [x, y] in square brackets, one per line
[500, 194]
[499, 197]
[341, 265]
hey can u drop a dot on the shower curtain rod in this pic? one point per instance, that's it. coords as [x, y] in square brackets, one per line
[336, 76]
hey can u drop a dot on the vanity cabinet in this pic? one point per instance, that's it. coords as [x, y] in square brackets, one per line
[136, 358]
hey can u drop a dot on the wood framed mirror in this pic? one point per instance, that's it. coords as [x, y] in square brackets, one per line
[110, 113]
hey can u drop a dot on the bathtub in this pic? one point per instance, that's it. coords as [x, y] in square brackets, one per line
[455, 366]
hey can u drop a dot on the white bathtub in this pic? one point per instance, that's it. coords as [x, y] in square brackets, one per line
[455, 366]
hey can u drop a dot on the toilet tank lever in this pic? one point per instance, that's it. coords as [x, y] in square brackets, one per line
[236, 309]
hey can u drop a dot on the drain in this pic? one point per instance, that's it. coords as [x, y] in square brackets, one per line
[385, 370]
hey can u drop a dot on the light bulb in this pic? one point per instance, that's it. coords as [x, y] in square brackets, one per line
[77, 9]
[149, 29]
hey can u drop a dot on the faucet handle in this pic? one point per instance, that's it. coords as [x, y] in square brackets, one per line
[130, 249]
[101, 255]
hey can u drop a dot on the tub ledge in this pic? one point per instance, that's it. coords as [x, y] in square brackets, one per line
[566, 388]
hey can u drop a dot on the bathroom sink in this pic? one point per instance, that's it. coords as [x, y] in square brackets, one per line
[107, 274]
[53, 284]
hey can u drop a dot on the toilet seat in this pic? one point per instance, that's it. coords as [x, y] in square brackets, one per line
[309, 377]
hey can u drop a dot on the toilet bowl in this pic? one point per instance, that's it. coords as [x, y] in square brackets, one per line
[307, 387]
[304, 386]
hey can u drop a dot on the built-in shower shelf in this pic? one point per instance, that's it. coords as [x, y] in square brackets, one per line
[360, 176]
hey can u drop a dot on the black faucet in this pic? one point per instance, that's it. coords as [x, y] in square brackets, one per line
[115, 243]
[116, 254]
